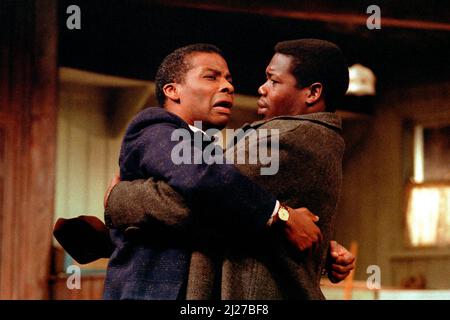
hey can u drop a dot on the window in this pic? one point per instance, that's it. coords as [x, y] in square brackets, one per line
[428, 208]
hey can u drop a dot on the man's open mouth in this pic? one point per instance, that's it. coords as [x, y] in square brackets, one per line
[223, 107]
[223, 104]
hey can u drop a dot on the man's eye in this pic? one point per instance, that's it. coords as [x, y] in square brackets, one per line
[211, 77]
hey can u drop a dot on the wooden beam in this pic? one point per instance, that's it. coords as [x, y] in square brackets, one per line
[321, 16]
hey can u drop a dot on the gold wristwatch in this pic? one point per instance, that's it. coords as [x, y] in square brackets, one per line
[283, 213]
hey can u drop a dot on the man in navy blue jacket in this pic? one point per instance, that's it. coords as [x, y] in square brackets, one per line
[197, 89]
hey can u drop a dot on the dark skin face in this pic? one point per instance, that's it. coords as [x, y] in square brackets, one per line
[206, 93]
[279, 95]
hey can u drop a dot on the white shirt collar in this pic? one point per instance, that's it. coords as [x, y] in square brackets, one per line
[195, 129]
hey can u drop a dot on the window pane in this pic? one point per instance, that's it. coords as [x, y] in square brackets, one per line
[436, 153]
[428, 215]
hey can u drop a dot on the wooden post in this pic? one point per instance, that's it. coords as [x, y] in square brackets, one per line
[28, 105]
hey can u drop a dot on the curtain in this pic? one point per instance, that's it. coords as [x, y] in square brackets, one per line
[428, 215]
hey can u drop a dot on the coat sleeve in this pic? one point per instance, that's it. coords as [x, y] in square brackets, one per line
[144, 201]
[218, 193]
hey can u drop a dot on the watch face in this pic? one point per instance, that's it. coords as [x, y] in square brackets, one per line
[283, 214]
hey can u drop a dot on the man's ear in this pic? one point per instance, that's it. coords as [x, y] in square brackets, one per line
[314, 93]
[172, 91]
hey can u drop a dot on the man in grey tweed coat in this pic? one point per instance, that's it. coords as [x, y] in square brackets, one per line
[306, 81]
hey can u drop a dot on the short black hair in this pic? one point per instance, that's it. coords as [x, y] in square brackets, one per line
[175, 66]
[315, 60]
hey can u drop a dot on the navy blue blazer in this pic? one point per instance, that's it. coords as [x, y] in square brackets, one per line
[156, 267]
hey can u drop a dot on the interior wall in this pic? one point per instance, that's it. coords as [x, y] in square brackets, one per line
[85, 153]
[91, 123]
[371, 209]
